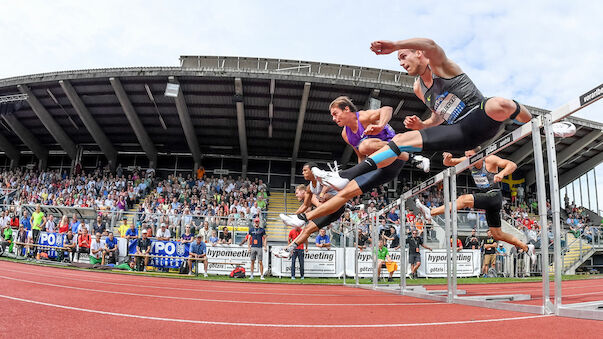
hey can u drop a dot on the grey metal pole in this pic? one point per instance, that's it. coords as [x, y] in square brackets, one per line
[343, 245]
[356, 253]
[402, 246]
[447, 232]
[541, 195]
[374, 236]
[453, 219]
[596, 193]
[554, 193]
[588, 191]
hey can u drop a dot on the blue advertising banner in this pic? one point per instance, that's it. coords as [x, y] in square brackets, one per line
[50, 239]
[164, 248]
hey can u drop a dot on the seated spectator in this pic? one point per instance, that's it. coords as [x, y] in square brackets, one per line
[394, 238]
[382, 258]
[459, 243]
[187, 236]
[225, 237]
[111, 249]
[131, 233]
[64, 224]
[143, 250]
[96, 250]
[214, 238]
[197, 251]
[205, 231]
[70, 243]
[83, 243]
[392, 217]
[363, 239]
[164, 233]
[323, 240]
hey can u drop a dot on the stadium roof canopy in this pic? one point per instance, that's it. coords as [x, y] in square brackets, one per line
[252, 108]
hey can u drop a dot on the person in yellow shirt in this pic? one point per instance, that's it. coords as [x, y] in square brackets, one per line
[123, 228]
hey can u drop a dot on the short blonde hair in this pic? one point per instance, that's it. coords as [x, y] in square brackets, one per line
[300, 187]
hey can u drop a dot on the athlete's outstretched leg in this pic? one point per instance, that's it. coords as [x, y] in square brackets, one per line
[463, 201]
[498, 234]
[350, 191]
[405, 142]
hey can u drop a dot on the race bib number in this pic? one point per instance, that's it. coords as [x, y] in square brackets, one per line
[481, 181]
[448, 106]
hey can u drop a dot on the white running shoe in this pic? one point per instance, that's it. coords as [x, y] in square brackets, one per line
[262, 277]
[563, 129]
[330, 178]
[251, 277]
[292, 220]
[283, 253]
[422, 163]
[205, 275]
[424, 209]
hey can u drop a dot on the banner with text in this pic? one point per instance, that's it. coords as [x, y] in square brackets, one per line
[365, 263]
[317, 263]
[177, 250]
[222, 259]
[433, 263]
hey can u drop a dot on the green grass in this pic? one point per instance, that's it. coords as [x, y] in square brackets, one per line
[326, 281]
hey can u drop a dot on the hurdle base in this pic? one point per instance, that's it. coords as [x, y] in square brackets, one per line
[499, 297]
[586, 310]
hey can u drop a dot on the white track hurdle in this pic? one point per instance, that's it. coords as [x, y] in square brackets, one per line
[448, 177]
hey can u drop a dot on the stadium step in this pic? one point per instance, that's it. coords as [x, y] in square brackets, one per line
[275, 229]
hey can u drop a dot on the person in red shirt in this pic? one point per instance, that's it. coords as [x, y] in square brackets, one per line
[83, 242]
[459, 243]
[298, 252]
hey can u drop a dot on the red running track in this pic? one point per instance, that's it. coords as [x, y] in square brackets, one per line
[54, 302]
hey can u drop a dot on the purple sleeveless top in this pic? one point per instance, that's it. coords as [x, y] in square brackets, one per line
[386, 134]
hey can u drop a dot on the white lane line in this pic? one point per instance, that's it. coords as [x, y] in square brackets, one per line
[223, 323]
[204, 283]
[190, 289]
[214, 300]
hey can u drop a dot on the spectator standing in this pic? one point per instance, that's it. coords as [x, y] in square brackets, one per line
[225, 237]
[64, 224]
[323, 240]
[99, 226]
[187, 236]
[298, 252]
[38, 219]
[489, 247]
[205, 231]
[257, 243]
[74, 224]
[123, 228]
[214, 238]
[70, 243]
[414, 255]
[50, 226]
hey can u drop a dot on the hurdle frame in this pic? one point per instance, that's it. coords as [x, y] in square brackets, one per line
[448, 177]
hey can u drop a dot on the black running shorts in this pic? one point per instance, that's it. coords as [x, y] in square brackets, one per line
[492, 203]
[471, 131]
[328, 219]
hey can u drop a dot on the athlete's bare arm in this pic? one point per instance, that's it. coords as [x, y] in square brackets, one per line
[438, 61]
[375, 119]
[450, 161]
[496, 162]
[414, 122]
[307, 201]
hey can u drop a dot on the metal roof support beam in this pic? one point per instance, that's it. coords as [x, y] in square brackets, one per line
[91, 125]
[568, 152]
[300, 125]
[51, 125]
[576, 172]
[523, 152]
[241, 125]
[10, 151]
[141, 134]
[371, 103]
[28, 139]
[187, 125]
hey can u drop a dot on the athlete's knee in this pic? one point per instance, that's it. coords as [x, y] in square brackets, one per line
[368, 147]
[498, 104]
[465, 201]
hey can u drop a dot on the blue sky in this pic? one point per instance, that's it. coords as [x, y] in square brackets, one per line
[541, 53]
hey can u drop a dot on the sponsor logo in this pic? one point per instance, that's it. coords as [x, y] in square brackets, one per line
[180, 249]
[505, 141]
[593, 94]
[476, 157]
